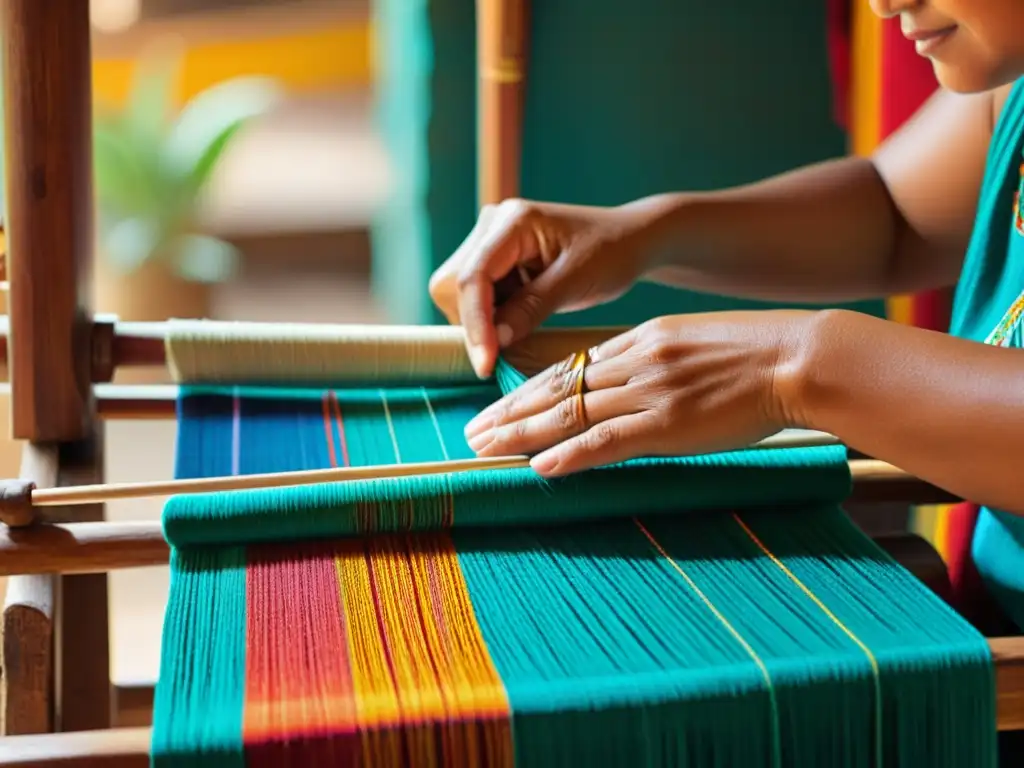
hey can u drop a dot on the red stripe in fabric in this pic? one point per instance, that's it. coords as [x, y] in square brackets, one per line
[300, 707]
[342, 441]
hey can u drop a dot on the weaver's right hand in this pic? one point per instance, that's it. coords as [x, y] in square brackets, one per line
[525, 261]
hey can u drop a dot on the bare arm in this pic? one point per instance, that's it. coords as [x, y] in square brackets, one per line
[840, 230]
[959, 405]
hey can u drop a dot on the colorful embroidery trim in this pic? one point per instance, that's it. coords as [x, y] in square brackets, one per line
[1018, 219]
[1011, 322]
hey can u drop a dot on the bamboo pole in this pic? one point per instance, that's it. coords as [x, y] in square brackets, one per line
[74, 548]
[100, 493]
[501, 66]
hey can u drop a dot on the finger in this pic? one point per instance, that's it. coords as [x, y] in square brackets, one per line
[476, 313]
[443, 286]
[606, 442]
[617, 345]
[546, 390]
[608, 366]
[500, 248]
[562, 421]
[533, 303]
[539, 292]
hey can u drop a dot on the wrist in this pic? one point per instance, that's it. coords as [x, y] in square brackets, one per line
[657, 223]
[802, 385]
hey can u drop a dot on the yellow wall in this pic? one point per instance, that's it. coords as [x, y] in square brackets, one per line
[328, 58]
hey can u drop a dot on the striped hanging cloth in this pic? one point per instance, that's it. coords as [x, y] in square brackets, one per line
[887, 83]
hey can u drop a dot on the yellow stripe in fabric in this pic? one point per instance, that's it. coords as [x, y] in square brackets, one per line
[725, 623]
[866, 80]
[391, 426]
[418, 655]
[846, 630]
[449, 517]
[900, 309]
[437, 427]
[941, 540]
[923, 522]
[865, 110]
[419, 659]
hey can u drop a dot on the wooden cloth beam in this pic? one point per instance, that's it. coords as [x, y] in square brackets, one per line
[92, 547]
[129, 747]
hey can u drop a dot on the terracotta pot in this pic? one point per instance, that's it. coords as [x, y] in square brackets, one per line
[150, 293]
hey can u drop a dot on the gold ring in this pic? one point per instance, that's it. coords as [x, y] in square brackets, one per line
[542, 246]
[579, 372]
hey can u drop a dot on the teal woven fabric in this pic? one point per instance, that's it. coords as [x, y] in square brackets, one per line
[703, 611]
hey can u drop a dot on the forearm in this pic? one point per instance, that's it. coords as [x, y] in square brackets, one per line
[828, 232]
[947, 410]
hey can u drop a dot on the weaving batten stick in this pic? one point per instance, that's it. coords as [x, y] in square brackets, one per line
[101, 547]
[129, 747]
[92, 493]
[107, 492]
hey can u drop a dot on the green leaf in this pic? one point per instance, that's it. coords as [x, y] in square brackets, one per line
[129, 243]
[152, 95]
[204, 129]
[205, 259]
[119, 177]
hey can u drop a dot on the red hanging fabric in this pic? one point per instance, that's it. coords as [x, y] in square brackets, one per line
[908, 80]
[838, 19]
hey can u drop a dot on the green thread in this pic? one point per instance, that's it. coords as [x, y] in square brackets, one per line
[608, 656]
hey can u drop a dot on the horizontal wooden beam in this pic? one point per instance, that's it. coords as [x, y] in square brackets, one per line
[129, 747]
[114, 748]
[76, 548]
[118, 344]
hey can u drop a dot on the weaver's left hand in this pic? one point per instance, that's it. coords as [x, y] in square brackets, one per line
[678, 385]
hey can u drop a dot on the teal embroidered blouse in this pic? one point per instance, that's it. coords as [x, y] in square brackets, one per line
[988, 308]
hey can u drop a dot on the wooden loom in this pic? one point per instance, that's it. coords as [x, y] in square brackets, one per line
[56, 702]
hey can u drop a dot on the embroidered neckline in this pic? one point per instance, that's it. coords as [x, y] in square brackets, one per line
[1011, 321]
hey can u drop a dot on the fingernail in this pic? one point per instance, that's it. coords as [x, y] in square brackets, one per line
[544, 463]
[478, 357]
[478, 442]
[478, 424]
[504, 335]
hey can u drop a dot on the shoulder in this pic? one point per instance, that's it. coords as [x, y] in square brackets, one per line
[1006, 98]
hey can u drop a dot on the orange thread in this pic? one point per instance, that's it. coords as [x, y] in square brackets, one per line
[418, 656]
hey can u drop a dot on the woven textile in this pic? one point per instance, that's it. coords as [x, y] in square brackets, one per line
[710, 611]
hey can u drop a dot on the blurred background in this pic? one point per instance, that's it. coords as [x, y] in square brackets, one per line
[314, 160]
[266, 106]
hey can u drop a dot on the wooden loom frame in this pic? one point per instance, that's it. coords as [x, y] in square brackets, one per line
[56, 688]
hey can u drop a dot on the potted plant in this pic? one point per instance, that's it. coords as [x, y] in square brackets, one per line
[153, 163]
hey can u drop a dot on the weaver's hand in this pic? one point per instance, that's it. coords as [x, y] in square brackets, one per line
[549, 258]
[677, 385]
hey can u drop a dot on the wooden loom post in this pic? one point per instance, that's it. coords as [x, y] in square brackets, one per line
[501, 65]
[47, 67]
